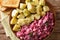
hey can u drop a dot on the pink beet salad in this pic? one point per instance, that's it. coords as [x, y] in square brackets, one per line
[33, 20]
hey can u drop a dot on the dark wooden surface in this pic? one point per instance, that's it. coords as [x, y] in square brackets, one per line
[56, 32]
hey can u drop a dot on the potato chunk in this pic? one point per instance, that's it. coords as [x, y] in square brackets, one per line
[22, 6]
[27, 1]
[28, 20]
[21, 16]
[42, 2]
[43, 13]
[21, 22]
[20, 10]
[26, 12]
[13, 20]
[46, 8]
[31, 8]
[38, 9]
[37, 16]
[16, 27]
[35, 2]
[14, 13]
[32, 17]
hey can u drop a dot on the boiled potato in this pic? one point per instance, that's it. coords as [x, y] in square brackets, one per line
[21, 22]
[32, 17]
[16, 27]
[31, 8]
[43, 13]
[14, 13]
[38, 9]
[22, 6]
[27, 1]
[37, 16]
[35, 2]
[13, 20]
[26, 12]
[28, 20]
[20, 11]
[21, 16]
[46, 8]
[42, 2]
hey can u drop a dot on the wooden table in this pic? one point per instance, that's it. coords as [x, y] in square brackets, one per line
[56, 32]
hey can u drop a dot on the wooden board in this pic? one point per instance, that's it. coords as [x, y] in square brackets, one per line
[56, 33]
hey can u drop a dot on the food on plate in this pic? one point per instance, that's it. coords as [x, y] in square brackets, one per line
[32, 20]
[11, 3]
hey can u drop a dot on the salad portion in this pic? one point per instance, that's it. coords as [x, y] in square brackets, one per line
[33, 20]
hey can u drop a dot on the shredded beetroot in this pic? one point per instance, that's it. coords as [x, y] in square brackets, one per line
[38, 29]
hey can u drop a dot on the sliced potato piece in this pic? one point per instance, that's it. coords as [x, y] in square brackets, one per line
[14, 13]
[22, 6]
[31, 8]
[42, 2]
[38, 9]
[46, 8]
[13, 20]
[16, 27]
[26, 12]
